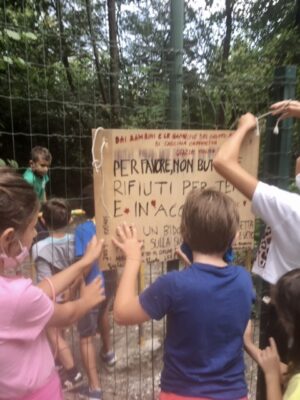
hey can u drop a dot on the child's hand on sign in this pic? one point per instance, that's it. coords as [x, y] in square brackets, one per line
[128, 242]
[248, 122]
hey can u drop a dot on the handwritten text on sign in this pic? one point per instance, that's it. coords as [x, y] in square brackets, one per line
[145, 178]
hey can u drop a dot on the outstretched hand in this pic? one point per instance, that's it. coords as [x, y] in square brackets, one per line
[286, 109]
[128, 242]
[93, 251]
[93, 293]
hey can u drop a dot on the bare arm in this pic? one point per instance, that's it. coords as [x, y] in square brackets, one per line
[286, 109]
[249, 346]
[127, 307]
[67, 313]
[226, 161]
[64, 279]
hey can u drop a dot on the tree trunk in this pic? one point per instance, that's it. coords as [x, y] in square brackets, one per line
[225, 56]
[114, 64]
[96, 57]
[63, 55]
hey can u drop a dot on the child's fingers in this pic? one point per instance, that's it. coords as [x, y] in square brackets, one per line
[117, 243]
[127, 230]
[121, 232]
[273, 345]
[279, 104]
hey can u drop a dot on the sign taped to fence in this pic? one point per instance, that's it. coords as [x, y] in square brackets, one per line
[143, 176]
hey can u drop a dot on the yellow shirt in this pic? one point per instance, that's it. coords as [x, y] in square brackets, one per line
[293, 388]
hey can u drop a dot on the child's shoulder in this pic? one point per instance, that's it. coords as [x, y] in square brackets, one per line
[38, 246]
[51, 242]
[28, 175]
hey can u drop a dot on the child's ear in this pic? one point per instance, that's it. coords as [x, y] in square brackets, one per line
[71, 220]
[6, 239]
[31, 164]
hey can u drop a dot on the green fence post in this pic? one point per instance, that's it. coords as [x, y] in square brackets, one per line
[277, 152]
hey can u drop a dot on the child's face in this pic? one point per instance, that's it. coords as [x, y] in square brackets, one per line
[40, 167]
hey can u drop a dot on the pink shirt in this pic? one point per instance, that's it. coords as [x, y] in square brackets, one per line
[26, 360]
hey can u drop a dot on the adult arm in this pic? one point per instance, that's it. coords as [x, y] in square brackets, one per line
[226, 161]
[286, 109]
[127, 307]
[64, 279]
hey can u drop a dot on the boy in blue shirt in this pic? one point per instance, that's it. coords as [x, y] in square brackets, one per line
[208, 304]
[89, 324]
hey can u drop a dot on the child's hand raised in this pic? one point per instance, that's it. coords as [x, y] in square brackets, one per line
[93, 251]
[93, 293]
[247, 121]
[269, 360]
[128, 242]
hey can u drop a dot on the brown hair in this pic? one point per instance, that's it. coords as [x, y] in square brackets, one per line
[56, 213]
[209, 221]
[286, 296]
[39, 152]
[18, 201]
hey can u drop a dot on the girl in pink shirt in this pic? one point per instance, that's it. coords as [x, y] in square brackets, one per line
[26, 361]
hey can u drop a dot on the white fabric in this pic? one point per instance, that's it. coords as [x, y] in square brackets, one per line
[281, 211]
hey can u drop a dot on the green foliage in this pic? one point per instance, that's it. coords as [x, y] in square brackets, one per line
[49, 77]
[10, 163]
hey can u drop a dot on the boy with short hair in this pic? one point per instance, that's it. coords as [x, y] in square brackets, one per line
[98, 318]
[37, 173]
[52, 255]
[208, 304]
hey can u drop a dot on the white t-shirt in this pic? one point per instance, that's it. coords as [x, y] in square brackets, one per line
[280, 210]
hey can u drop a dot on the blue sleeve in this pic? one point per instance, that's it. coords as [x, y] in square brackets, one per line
[157, 299]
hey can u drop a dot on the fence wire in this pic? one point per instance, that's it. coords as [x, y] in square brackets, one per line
[58, 81]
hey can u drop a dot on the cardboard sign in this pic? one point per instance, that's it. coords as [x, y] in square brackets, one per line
[143, 176]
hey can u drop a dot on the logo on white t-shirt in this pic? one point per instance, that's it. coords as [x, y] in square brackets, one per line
[263, 248]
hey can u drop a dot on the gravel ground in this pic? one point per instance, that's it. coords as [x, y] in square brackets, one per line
[137, 372]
